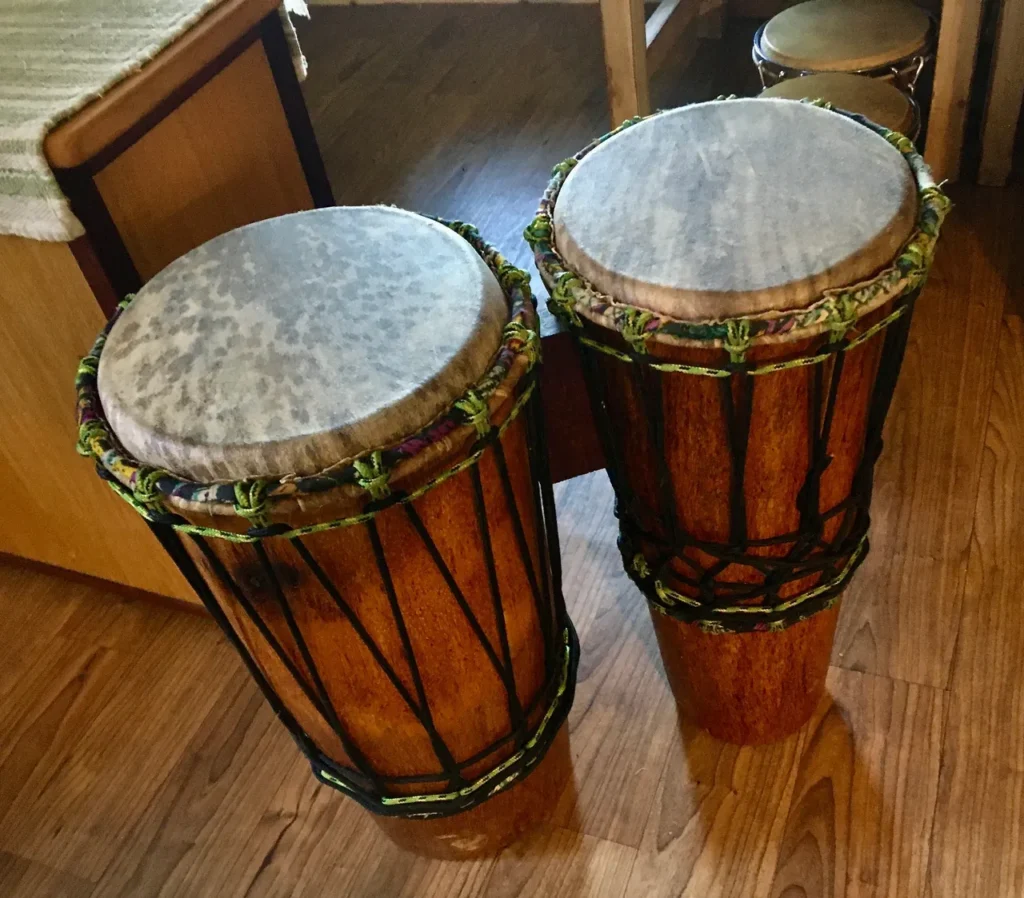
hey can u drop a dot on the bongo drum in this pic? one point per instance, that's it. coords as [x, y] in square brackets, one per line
[331, 421]
[878, 101]
[741, 302]
[888, 39]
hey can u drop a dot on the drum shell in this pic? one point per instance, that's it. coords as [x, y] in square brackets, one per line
[743, 687]
[468, 702]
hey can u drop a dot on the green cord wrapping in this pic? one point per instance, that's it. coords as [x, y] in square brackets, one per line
[251, 501]
[147, 489]
[373, 476]
[634, 330]
[309, 529]
[667, 598]
[476, 411]
[737, 339]
[769, 368]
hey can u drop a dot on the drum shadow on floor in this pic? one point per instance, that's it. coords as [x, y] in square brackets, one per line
[803, 816]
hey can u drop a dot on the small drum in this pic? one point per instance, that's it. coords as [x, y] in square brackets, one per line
[331, 420]
[888, 39]
[876, 100]
[741, 301]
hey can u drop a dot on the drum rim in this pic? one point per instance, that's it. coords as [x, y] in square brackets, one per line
[837, 310]
[918, 58]
[915, 109]
[247, 506]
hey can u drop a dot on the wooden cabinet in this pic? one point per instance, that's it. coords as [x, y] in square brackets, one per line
[211, 135]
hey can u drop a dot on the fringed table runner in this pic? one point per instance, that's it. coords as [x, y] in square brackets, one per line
[56, 56]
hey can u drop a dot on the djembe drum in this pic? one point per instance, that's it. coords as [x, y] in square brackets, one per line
[888, 39]
[740, 277]
[878, 101]
[330, 419]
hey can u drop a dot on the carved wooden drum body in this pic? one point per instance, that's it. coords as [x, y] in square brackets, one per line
[741, 300]
[330, 418]
[888, 39]
[877, 100]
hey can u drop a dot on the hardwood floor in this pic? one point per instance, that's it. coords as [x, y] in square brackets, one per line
[137, 760]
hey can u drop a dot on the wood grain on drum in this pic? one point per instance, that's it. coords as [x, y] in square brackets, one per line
[753, 687]
[387, 648]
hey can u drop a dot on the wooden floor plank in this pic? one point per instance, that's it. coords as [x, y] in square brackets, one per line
[901, 613]
[979, 825]
[622, 721]
[716, 820]
[230, 762]
[27, 879]
[843, 808]
[92, 749]
[860, 820]
[560, 862]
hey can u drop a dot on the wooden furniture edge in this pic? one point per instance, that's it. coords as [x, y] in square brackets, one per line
[1005, 95]
[633, 47]
[96, 126]
[667, 24]
[959, 30]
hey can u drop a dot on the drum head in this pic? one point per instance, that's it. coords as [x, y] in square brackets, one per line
[290, 345]
[735, 207]
[872, 98]
[838, 36]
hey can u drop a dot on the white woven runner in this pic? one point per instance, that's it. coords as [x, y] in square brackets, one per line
[55, 57]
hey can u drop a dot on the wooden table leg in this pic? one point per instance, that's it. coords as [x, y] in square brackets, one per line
[625, 56]
[954, 66]
[1005, 94]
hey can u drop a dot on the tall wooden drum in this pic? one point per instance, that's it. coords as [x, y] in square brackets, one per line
[740, 277]
[331, 420]
[888, 39]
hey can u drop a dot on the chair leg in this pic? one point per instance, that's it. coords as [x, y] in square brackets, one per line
[625, 55]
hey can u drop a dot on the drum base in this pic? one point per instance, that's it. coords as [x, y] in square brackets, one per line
[747, 688]
[496, 823]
